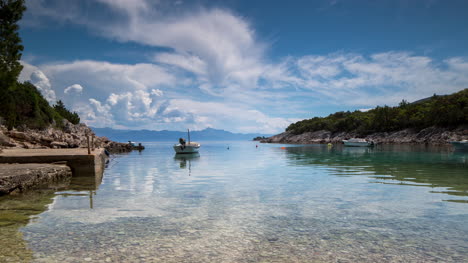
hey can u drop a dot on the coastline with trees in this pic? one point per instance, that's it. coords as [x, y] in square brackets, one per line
[434, 120]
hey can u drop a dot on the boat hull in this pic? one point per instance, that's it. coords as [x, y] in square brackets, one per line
[187, 149]
[358, 144]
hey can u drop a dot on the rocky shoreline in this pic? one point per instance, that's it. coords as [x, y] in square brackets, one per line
[71, 136]
[431, 136]
[15, 178]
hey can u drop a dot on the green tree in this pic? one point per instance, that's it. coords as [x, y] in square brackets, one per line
[22, 105]
[64, 112]
[11, 12]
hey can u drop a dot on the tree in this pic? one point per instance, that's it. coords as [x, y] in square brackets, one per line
[11, 12]
[64, 112]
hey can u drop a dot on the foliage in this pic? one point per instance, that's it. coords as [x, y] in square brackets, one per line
[443, 111]
[11, 12]
[21, 104]
[64, 112]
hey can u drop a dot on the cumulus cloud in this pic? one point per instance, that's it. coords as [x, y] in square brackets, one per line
[75, 88]
[104, 78]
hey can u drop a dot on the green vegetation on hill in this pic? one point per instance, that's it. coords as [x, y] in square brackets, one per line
[443, 111]
[64, 112]
[21, 104]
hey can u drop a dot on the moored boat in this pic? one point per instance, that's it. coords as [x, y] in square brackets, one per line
[191, 147]
[358, 142]
[185, 148]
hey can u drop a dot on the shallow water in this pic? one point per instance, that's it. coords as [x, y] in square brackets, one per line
[274, 203]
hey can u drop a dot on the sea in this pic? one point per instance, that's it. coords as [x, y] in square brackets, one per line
[244, 201]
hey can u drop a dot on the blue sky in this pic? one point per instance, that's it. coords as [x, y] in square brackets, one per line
[242, 66]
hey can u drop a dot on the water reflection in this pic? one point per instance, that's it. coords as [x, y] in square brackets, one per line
[186, 159]
[444, 170]
[16, 212]
[249, 204]
[20, 209]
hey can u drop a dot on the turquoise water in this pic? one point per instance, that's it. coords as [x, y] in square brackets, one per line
[274, 203]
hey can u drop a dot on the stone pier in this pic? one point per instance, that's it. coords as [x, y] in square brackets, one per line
[22, 169]
[78, 159]
[20, 177]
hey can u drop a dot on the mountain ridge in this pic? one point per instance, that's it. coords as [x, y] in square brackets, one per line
[207, 134]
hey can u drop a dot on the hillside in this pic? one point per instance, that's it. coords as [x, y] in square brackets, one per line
[440, 111]
[434, 120]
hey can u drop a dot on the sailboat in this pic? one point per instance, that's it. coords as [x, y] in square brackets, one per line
[184, 148]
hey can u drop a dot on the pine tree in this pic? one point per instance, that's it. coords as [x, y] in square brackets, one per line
[11, 12]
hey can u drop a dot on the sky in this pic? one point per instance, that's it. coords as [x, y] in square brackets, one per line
[240, 65]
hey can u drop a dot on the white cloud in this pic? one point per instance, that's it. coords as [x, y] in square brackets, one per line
[187, 62]
[383, 78]
[104, 78]
[157, 92]
[75, 88]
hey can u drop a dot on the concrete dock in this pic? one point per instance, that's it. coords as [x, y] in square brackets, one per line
[20, 177]
[78, 159]
[22, 169]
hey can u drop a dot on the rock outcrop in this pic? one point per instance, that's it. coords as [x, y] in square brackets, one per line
[70, 136]
[432, 135]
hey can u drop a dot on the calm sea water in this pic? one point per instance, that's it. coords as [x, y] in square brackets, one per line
[274, 203]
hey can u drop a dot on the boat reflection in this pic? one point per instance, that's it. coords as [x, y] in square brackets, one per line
[186, 159]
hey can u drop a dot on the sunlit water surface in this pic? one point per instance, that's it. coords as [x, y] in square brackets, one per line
[274, 203]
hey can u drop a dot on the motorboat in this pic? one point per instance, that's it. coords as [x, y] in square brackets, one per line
[186, 147]
[358, 142]
[460, 145]
[191, 147]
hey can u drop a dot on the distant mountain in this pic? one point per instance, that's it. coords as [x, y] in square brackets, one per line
[208, 134]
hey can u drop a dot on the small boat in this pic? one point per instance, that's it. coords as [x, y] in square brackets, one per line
[460, 145]
[357, 142]
[184, 148]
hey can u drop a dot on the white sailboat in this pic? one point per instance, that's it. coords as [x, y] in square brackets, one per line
[184, 148]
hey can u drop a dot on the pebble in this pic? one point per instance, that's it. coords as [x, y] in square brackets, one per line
[88, 259]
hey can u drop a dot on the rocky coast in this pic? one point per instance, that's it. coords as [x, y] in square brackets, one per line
[70, 136]
[28, 157]
[430, 136]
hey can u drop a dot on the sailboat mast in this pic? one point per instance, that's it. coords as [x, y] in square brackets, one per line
[188, 132]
